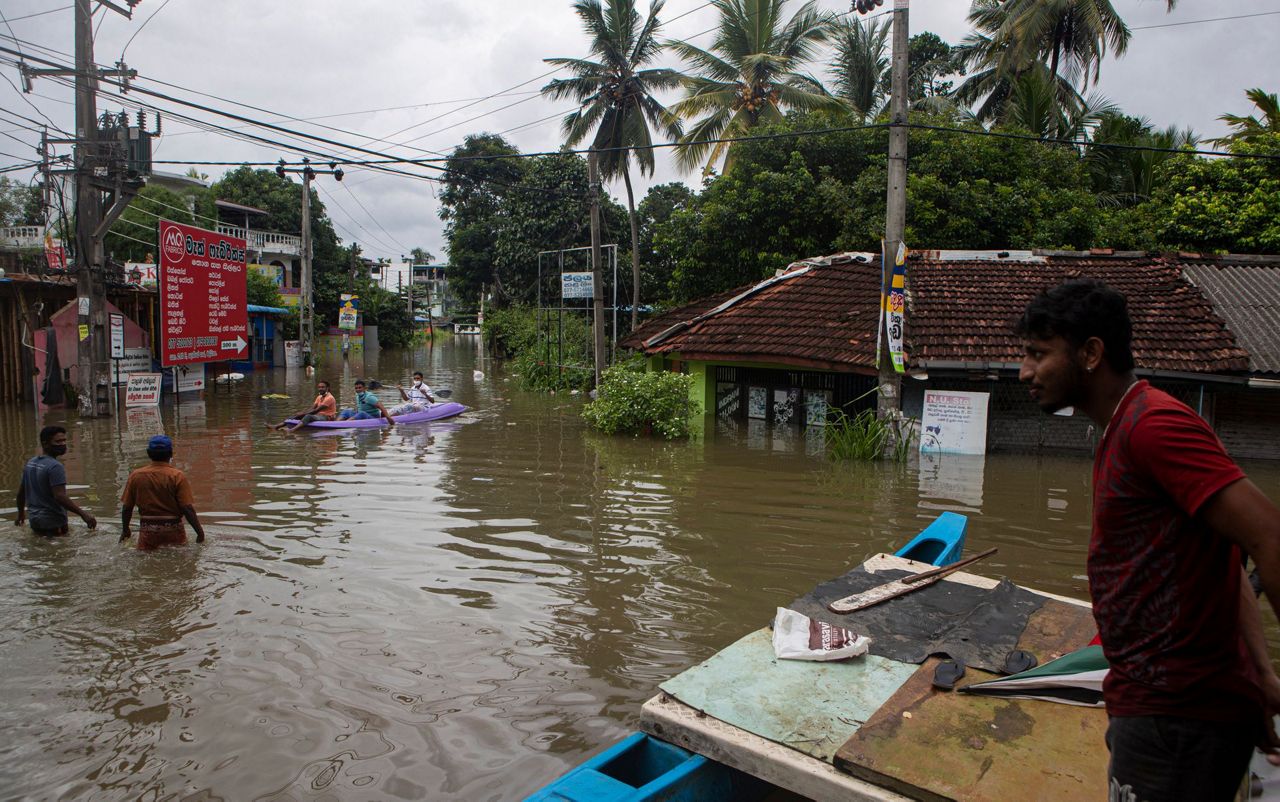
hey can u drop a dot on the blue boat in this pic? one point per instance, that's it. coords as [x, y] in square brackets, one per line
[941, 542]
[641, 768]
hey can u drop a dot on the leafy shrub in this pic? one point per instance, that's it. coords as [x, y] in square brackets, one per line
[635, 402]
[551, 354]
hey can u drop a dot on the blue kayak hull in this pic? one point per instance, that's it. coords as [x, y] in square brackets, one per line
[941, 542]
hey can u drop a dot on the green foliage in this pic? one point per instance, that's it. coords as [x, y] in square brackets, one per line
[140, 220]
[864, 437]
[262, 290]
[20, 205]
[548, 353]
[636, 402]
[790, 199]
[657, 264]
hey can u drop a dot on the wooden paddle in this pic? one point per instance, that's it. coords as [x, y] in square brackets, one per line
[899, 587]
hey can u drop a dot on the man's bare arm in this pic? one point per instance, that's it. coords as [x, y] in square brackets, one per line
[126, 517]
[60, 496]
[22, 505]
[1242, 513]
[189, 512]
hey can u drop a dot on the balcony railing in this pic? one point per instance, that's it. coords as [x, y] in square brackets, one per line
[265, 241]
[22, 236]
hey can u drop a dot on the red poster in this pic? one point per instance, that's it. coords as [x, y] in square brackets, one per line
[202, 295]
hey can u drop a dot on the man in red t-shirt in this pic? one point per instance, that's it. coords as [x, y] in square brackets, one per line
[1191, 688]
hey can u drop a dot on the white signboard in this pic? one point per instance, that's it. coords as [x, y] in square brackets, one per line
[576, 285]
[140, 273]
[143, 390]
[954, 422]
[136, 360]
[116, 321]
[190, 377]
[347, 320]
[293, 353]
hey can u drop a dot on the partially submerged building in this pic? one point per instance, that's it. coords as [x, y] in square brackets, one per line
[788, 349]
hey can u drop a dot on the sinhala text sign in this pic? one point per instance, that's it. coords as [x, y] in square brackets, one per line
[954, 422]
[202, 295]
[576, 285]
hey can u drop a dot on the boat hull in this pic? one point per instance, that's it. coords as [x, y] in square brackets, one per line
[448, 409]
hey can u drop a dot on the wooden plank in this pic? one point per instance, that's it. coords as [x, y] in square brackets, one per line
[668, 719]
[935, 744]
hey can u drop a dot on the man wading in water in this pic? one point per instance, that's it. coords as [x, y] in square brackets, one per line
[43, 489]
[162, 495]
[1191, 689]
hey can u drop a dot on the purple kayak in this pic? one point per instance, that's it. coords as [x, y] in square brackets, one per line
[446, 409]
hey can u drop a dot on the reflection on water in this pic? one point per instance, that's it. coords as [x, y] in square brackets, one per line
[455, 610]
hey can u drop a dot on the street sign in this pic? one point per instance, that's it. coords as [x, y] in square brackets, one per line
[346, 320]
[190, 378]
[143, 390]
[202, 295]
[116, 321]
[576, 285]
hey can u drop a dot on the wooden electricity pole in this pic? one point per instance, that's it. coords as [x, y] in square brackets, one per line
[895, 219]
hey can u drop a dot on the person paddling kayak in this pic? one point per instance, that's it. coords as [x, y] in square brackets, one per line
[416, 398]
[325, 407]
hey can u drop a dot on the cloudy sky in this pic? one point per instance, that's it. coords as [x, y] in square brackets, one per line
[414, 78]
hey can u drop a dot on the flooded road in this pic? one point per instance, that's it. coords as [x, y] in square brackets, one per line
[455, 610]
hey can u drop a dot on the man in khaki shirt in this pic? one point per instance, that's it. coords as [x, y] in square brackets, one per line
[162, 495]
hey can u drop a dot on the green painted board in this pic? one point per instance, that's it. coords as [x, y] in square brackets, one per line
[809, 706]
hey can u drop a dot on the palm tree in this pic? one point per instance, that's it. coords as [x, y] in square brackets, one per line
[861, 63]
[614, 92]
[1126, 176]
[1247, 128]
[749, 75]
[1070, 37]
[1036, 104]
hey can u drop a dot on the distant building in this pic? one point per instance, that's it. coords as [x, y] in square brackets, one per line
[785, 351]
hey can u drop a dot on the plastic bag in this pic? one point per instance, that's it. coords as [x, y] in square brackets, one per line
[799, 637]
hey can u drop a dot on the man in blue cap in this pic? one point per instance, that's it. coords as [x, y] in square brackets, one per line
[162, 495]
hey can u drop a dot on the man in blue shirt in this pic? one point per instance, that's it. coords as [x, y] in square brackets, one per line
[367, 406]
[43, 489]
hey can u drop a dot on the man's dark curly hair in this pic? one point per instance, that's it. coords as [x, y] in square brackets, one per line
[1077, 310]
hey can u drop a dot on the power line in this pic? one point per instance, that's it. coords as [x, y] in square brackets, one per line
[140, 27]
[41, 13]
[1198, 21]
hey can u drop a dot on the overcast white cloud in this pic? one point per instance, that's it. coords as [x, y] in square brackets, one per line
[363, 60]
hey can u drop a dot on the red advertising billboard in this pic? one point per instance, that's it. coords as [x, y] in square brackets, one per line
[202, 296]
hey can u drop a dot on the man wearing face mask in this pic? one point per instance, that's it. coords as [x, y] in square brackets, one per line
[417, 398]
[43, 490]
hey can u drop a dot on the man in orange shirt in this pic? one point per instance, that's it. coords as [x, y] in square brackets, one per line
[162, 495]
[325, 407]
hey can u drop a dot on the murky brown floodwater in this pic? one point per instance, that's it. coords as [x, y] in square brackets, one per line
[458, 610]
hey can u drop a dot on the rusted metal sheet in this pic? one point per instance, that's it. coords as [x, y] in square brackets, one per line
[931, 744]
[808, 706]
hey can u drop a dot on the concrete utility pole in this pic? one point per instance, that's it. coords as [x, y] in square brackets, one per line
[597, 287]
[895, 219]
[306, 306]
[92, 364]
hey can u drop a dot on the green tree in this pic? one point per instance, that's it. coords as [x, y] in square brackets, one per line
[20, 204]
[1127, 175]
[132, 237]
[479, 174]
[261, 289]
[749, 76]
[657, 207]
[929, 60]
[1035, 105]
[421, 256]
[1246, 129]
[614, 90]
[861, 65]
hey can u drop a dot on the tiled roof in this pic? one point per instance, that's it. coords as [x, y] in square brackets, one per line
[824, 318]
[959, 311]
[963, 311]
[1248, 297]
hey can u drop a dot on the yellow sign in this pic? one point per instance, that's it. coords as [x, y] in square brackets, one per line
[84, 331]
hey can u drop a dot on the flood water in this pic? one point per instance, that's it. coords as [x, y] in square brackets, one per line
[455, 610]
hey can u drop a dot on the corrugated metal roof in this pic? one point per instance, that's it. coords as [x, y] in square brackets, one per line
[1248, 298]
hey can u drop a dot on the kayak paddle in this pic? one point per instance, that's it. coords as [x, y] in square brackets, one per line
[899, 587]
